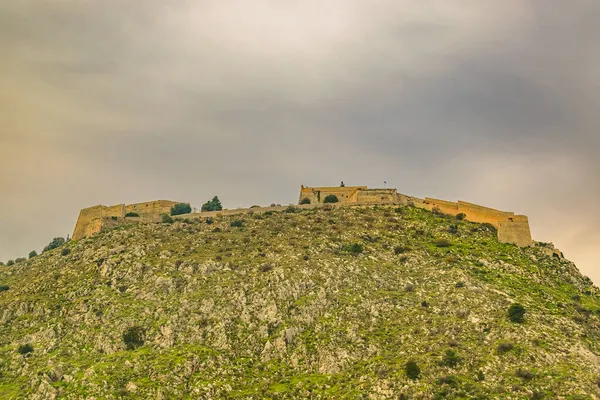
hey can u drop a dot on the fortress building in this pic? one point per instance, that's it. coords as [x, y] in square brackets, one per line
[511, 228]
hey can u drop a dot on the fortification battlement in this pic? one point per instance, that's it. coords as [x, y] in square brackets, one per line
[511, 228]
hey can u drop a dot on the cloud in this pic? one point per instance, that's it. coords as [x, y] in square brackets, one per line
[111, 101]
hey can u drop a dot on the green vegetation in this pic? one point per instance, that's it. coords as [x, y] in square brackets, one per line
[305, 200]
[134, 337]
[20, 260]
[461, 216]
[4, 288]
[166, 219]
[181, 208]
[32, 253]
[516, 313]
[55, 243]
[331, 198]
[10, 263]
[324, 303]
[132, 214]
[25, 349]
[236, 223]
[212, 205]
[412, 370]
[65, 252]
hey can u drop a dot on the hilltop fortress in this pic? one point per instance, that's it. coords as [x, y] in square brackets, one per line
[511, 228]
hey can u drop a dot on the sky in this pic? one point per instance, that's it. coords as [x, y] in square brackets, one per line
[109, 102]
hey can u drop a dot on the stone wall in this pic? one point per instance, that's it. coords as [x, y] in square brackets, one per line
[152, 208]
[345, 195]
[94, 219]
[89, 222]
[373, 196]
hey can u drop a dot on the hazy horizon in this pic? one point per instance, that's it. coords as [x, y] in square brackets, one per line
[109, 102]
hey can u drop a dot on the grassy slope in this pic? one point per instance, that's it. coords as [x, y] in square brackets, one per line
[280, 308]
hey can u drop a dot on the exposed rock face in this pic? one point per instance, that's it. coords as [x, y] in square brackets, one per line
[319, 303]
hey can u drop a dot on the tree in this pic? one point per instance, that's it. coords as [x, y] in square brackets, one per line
[181, 208]
[56, 242]
[516, 313]
[32, 253]
[305, 200]
[10, 263]
[331, 198]
[212, 205]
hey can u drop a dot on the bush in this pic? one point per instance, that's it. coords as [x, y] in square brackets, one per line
[516, 313]
[25, 349]
[20, 260]
[236, 224]
[167, 219]
[453, 229]
[10, 263]
[181, 208]
[132, 214]
[442, 243]
[355, 248]
[32, 253]
[331, 198]
[450, 359]
[412, 370]
[461, 216]
[55, 243]
[401, 249]
[3, 288]
[212, 205]
[133, 337]
[524, 374]
[209, 221]
[2, 264]
[65, 252]
[305, 200]
[505, 347]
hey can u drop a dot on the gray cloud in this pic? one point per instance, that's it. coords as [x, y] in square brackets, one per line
[109, 102]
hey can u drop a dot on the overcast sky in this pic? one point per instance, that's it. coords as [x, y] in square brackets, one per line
[107, 102]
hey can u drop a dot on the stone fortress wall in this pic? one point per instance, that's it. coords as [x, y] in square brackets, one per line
[511, 228]
[93, 219]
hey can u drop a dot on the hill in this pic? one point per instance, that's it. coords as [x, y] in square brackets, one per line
[346, 302]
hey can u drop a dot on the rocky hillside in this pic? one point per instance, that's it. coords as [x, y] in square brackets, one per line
[342, 303]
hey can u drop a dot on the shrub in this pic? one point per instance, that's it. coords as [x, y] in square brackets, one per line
[65, 252]
[461, 216]
[442, 243]
[20, 260]
[32, 253]
[412, 370]
[453, 229]
[10, 263]
[236, 224]
[133, 337]
[209, 221]
[355, 248]
[459, 285]
[331, 198]
[489, 227]
[212, 205]
[181, 208]
[524, 374]
[516, 313]
[305, 200]
[25, 349]
[56, 242]
[266, 268]
[409, 288]
[450, 359]
[291, 210]
[3, 288]
[132, 214]
[166, 219]
[505, 347]
[401, 249]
